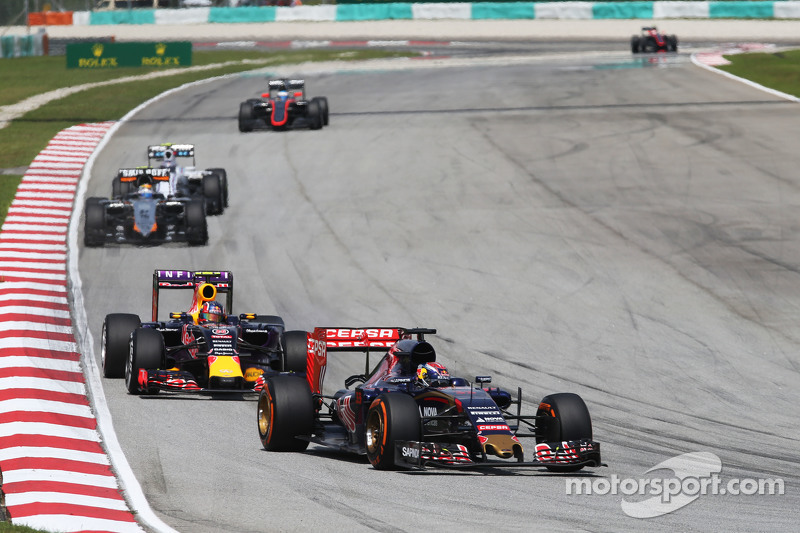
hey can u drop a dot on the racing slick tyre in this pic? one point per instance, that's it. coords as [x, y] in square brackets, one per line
[566, 419]
[146, 353]
[635, 44]
[120, 188]
[115, 342]
[295, 349]
[94, 223]
[314, 114]
[196, 225]
[272, 320]
[285, 410]
[323, 106]
[223, 179]
[391, 417]
[212, 191]
[246, 116]
[672, 43]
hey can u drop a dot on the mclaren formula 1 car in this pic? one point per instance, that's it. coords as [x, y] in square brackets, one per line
[284, 106]
[189, 353]
[210, 184]
[408, 412]
[143, 216]
[651, 40]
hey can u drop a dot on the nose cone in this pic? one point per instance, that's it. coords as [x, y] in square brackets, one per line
[503, 446]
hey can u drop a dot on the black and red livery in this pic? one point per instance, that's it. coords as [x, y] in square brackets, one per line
[283, 106]
[651, 40]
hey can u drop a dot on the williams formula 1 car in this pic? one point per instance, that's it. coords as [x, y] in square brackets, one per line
[142, 216]
[408, 412]
[210, 185]
[650, 41]
[192, 352]
[285, 105]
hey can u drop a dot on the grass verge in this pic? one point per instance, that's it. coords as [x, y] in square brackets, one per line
[778, 70]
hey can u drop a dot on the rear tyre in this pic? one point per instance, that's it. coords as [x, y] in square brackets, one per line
[196, 225]
[672, 43]
[212, 191]
[391, 417]
[314, 115]
[94, 223]
[566, 419]
[223, 178]
[146, 353]
[115, 342]
[272, 320]
[285, 411]
[246, 116]
[295, 350]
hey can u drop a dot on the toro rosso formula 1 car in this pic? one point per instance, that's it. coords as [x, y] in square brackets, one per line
[285, 105]
[143, 216]
[650, 40]
[409, 412]
[193, 351]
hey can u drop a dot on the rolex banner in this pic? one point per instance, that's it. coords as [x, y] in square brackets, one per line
[113, 55]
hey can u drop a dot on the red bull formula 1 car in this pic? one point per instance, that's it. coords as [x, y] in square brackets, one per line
[284, 106]
[193, 352]
[409, 412]
[651, 40]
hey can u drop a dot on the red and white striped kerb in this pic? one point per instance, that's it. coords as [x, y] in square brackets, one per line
[56, 474]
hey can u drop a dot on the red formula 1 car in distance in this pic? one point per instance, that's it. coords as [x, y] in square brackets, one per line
[284, 106]
[409, 412]
[651, 40]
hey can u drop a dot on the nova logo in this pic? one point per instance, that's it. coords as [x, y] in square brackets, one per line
[429, 411]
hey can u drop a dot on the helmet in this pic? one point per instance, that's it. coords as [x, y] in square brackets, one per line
[211, 312]
[146, 191]
[283, 95]
[433, 375]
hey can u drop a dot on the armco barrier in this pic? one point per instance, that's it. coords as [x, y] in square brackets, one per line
[440, 10]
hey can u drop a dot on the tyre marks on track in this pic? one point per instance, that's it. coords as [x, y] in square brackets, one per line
[55, 473]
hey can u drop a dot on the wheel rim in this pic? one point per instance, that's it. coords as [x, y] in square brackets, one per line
[264, 417]
[374, 432]
[103, 347]
[129, 368]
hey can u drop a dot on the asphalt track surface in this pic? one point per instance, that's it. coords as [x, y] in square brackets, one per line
[621, 228]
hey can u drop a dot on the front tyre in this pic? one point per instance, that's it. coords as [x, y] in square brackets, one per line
[285, 411]
[146, 353]
[563, 417]
[246, 116]
[391, 417]
[115, 343]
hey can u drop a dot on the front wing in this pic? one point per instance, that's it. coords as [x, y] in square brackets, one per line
[419, 455]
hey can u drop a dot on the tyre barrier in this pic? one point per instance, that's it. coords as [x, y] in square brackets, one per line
[56, 474]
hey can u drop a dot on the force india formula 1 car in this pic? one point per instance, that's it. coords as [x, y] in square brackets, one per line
[651, 41]
[284, 106]
[152, 219]
[210, 185]
[396, 420]
[181, 355]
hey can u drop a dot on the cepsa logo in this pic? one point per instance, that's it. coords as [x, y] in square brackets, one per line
[360, 337]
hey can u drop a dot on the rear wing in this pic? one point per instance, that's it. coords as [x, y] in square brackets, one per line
[141, 176]
[205, 284]
[323, 340]
[169, 151]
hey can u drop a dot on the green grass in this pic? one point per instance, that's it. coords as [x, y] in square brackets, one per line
[779, 70]
[5, 527]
